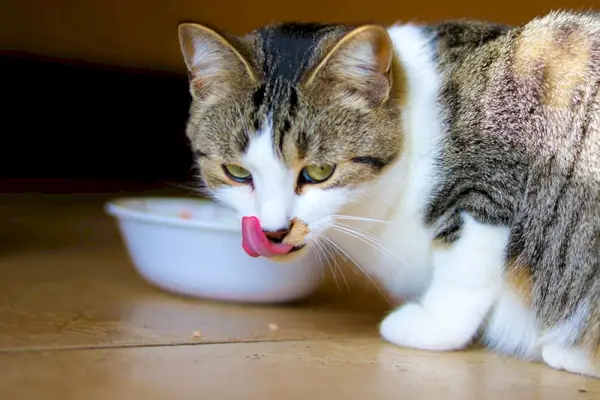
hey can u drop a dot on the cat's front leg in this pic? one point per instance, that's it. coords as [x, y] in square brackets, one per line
[466, 281]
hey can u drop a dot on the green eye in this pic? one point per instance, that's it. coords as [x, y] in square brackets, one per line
[316, 173]
[237, 173]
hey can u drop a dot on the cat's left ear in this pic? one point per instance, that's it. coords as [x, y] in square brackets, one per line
[213, 60]
[362, 60]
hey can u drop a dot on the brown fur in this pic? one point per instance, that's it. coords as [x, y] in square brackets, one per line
[562, 54]
[298, 233]
[520, 146]
[520, 280]
[523, 147]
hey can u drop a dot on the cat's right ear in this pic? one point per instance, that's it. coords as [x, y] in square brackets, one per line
[361, 60]
[211, 59]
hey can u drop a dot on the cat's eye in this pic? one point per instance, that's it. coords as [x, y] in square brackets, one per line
[237, 173]
[316, 173]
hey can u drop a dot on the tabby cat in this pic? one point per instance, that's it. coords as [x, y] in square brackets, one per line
[457, 163]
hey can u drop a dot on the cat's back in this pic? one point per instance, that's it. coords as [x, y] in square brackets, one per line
[521, 107]
[526, 81]
[545, 40]
[522, 149]
[557, 57]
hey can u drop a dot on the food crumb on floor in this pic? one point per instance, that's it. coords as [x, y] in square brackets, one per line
[198, 334]
[273, 327]
[185, 215]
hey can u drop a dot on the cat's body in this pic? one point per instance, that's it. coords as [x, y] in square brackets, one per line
[466, 168]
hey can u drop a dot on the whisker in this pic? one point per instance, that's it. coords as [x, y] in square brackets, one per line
[192, 189]
[352, 218]
[367, 239]
[357, 231]
[322, 247]
[188, 188]
[364, 237]
[313, 247]
[338, 267]
[350, 258]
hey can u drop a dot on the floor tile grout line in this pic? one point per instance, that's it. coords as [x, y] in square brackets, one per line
[173, 344]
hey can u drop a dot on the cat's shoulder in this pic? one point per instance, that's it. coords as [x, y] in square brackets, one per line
[563, 22]
[558, 23]
[558, 39]
[553, 37]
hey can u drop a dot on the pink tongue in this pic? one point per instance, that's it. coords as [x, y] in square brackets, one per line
[256, 243]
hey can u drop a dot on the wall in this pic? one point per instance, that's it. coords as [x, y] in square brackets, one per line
[89, 123]
[143, 32]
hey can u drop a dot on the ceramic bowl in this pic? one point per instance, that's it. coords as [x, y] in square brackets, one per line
[193, 247]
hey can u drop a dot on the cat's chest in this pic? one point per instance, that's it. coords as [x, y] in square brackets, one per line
[396, 255]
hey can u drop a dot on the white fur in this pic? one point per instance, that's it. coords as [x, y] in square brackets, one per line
[565, 334]
[467, 284]
[274, 201]
[272, 179]
[453, 291]
[557, 346]
[207, 57]
[467, 278]
[569, 359]
[401, 260]
[467, 291]
[511, 328]
[357, 61]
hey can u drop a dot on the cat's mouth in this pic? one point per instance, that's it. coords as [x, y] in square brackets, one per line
[296, 248]
[257, 244]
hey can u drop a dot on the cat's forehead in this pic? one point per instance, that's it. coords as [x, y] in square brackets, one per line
[284, 54]
[287, 51]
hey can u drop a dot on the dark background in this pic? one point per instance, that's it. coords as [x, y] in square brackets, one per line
[90, 122]
[94, 93]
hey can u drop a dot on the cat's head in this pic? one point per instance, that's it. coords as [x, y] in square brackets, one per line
[290, 122]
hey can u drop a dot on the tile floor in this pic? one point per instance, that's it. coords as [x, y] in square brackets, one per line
[77, 322]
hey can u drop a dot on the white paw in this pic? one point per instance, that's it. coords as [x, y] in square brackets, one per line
[412, 326]
[569, 359]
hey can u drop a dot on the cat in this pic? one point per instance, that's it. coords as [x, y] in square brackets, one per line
[457, 163]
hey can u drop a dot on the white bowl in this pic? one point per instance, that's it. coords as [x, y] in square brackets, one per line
[202, 256]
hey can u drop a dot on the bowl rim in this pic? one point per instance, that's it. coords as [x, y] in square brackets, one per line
[118, 208]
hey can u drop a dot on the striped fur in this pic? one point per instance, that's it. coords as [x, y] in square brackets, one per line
[523, 150]
[516, 151]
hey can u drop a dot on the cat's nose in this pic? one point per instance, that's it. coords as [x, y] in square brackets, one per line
[278, 235]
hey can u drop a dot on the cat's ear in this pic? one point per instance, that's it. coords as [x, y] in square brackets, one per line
[211, 59]
[362, 60]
